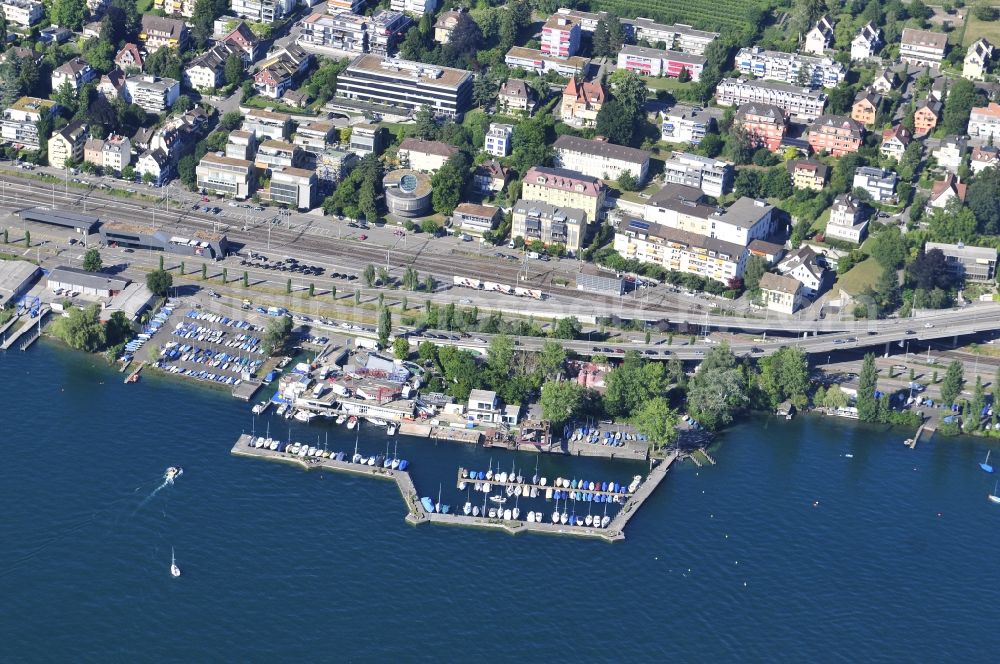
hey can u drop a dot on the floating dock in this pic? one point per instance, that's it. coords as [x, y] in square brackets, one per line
[417, 515]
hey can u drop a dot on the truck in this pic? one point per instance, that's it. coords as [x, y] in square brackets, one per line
[362, 342]
[532, 254]
[277, 311]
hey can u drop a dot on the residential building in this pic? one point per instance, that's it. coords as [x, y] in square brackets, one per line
[679, 206]
[485, 406]
[600, 159]
[406, 85]
[588, 20]
[713, 176]
[946, 190]
[268, 124]
[780, 293]
[24, 13]
[769, 251]
[314, 136]
[353, 6]
[792, 68]
[280, 70]
[984, 157]
[386, 28]
[561, 36]
[532, 59]
[428, 156]
[475, 219]
[977, 60]
[866, 107]
[112, 85]
[296, 98]
[581, 102]
[446, 24]
[684, 125]
[242, 38]
[208, 70]
[885, 82]
[880, 184]
[566, 189]
[516, 97]
[22, 53]
[807, 174]
[418, 7]
[803, 266]
[152, 93]
[294, 187]
[54, 34]
[367, 139]
[984, 122]
[894, 141]
[74, 71]
[19, 126]
[657, 62]
[802, 103]
[922, 47]
[498, 139]
[848, 219]
[262, 11]
[272, 154]
[820, 37]
[66, 144]
[677, 37]
[939, 87]
[836, 135]
[549, 224]
[866, 44]
[155, 164]
[745, 220]
[490, 177]
[344, 31]
[157, 32]
[93, 152]
[333, 165]
[116, 153]
[968, 263]
[226, 175]
[184, 8]
[680, 250]
[927, 115]
[129, 57]
[950, 152]
[765, 123]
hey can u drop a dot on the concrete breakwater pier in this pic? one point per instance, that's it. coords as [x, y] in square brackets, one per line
[417, 515]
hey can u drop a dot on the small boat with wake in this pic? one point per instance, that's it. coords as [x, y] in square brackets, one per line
[175, 571]
[173, 472]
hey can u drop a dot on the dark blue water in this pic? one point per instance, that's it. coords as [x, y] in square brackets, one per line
[785, 550]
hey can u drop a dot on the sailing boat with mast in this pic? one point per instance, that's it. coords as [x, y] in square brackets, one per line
[357, 457]
[994, 498]
[985, 465]
[175, 571]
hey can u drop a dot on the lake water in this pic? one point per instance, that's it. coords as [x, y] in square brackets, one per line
[786, 550]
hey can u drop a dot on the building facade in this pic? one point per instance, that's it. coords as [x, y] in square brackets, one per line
[600, 159]
[406, 85]
[791, 68]
[67, 144]
[566, 189]
[581, 102]
[679, 250]
[684, 125]
[968, 263]
[802, 103]
[226, 176]
[880, 184]
[836, 135]
[152, 93]
[657, 62]
[922, 47]
[984, 122]
[713, 176]
[765, 123]
[780, 293]
[848, 220]
[977, 60]
[561, 36]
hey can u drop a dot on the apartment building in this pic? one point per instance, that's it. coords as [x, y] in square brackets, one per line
[242, 38]
[152, 93]
[333, 165]
[713, 176]
[226, 175]
[116, 153]
[894, 141]
[428, 156]
[19, 126]
[588, 20]
[927, 115]
[268, 124]
[418, 7]
[820, 37]
[24, 13]
[314, 136]
[600, 159]
[808, 174]
[475, 219]
[66, 144]
[406, 85]
[866, 43]
[498, 139]
[984, 157]
[294, 187]
[76, 72]
[950, 152]
[207, 71]
[848, 219]
[745, 220]
[581, 102]
[684, 125]
[550, 224]
[561, 36]
[803, 265]
[922, 47]
[352, 6]
[679, 206]
[490, 177]
[367, 139]
[766, 124]
[880, 184]
[680, 250]
[791, 68]
[657, 62]
[155, 164]
[516, 97]
[977, 60]
[343, 30]
[984, 122]
[272, 154]
[386, 28]
[966, 262]
[865, 107]
[566, 189]
[677, 37]
[780, 293]
[184, 8]
[532, 59]
[262, 11]
[803, 103]
[157, 32]
[836, 135]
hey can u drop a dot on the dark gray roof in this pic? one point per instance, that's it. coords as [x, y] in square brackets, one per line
[59, 218]
[78, 277]
[610, 150]
[668, 234]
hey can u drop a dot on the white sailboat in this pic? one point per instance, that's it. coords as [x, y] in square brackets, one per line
[994, 497]
[175, 571]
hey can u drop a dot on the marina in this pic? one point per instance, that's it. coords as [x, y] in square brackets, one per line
[420, 511]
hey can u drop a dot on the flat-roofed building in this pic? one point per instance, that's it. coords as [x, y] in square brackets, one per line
[880, 184]
[24, 13]
[680, 250]
[967, 262]
[277, 154]
[677, 36]
[241, 144]
[333, 165]
[20, 121]
[561, 36]
[713, 176]
[802, 103]
[565, 188]
[474, 218]
[532, 59]
[16, 277]
[746, 219]
[408, 86]
[498, 139]
[984, 122]
[367, 139]
[294, 187]
[549, 224]
[684, 125]
[658, 62]
[791, 68]
[600, 159]
[267, 124]
[262, 11]
[226, 175]
[152, 93]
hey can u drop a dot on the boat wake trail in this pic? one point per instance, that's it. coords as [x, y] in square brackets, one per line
[145, 501]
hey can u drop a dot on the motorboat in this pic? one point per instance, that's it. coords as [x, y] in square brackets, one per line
[377, 421]
[542, 482]
[427, 503]
[515, 513]
[507, 514]
[340, 419]
[499, 500]
[605, 520]
[493, 513]
[173, 472]
[371, 461]
[260, 407]
[531, 517]
[548, 494]
[175, 571]
[509, 491]
[563, 518]
[352, 422]
[394, 464]
[467, 509]
[635, 483]
[282, 409]
[587, 520]
[555, 517]
[392, 429]
[475, 510]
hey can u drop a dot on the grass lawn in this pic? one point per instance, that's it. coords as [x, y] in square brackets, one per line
[144, 6]
[665, 83]
[819, 226]
[974, 28]
[863, 274]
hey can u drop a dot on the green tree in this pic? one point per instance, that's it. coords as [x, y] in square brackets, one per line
[566, 328]
[312, 290]
[427, 351]
[958, 105]
[202, 20]
[835, 398]
[225, 275]
[975, 423]
[657, 421]
[561, 401]
[401, 348]
[69, 13]
[461, 372]
[888, 247]
[384, 326]
[276, 332]
[230, 120]
[615, 123]
[288, 286]
[633, 383]
[785, 375]
[449, 182]
[82, 329]
[952, 384]
[159, 282]
[867, 383]
[246, 279]
[92, 261]
[233, 69]
[754, 270]
[552, 360]
[368, 275]
[204, 271]
[718, 389]
[425, 124]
